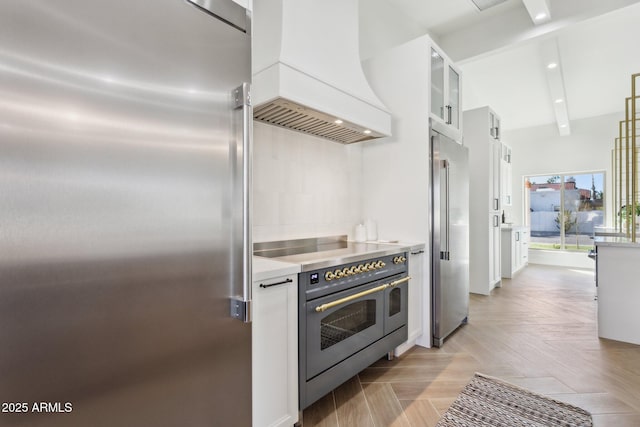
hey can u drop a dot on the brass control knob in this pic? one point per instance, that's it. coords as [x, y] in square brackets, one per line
[360, 268]
[370, 266]
[338, 273]
[329, 276]
[353, 270]
[399, 260]
[403, 259]
[380, 264]
[346, 272]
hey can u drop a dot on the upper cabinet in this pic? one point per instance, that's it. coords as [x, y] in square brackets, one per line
[445, 91]
[506, 176]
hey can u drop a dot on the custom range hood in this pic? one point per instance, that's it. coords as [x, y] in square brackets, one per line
[307, 74]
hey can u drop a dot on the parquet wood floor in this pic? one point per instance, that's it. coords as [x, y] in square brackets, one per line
[538, 331]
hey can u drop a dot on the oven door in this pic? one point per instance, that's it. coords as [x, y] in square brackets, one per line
[396, 307]
[343, 329]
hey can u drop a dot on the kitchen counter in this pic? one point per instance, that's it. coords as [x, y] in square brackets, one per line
[264, 268]
[351, 252]
[617, 241]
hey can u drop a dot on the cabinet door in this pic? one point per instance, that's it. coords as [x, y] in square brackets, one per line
[494, 175]
[414, 324]
[517, 250]
[495, 273]
[437, 85]
[453, 98]
[505, 182]
[275, 352]
[524, 247]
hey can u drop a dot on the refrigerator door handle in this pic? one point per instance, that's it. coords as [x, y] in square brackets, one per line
[241, 305]
[445, 255]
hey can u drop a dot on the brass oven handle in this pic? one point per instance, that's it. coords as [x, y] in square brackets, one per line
[399, 281]
[331, 304]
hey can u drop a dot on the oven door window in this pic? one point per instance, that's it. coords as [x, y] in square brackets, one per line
[347, 322]
[395, 302]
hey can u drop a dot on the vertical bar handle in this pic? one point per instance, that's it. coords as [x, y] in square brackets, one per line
[241, 306]
[445, 255]
[496, 221]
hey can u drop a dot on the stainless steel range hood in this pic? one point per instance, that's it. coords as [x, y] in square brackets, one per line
[307, 73]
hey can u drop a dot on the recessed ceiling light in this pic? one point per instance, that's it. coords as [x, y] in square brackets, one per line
[552, 65]
[338, 121]
[563, 126]
[540, 16]
[559, 101]
[367, 131]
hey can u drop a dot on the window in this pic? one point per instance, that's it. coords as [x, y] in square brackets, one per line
[562, 210]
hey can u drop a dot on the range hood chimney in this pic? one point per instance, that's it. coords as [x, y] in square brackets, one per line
[307, 73]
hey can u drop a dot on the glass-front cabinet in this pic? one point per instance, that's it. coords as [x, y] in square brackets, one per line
[445, 91]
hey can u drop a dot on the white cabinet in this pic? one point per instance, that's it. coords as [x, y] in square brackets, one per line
[495, 248]
[506, 186]
[445, 90]
[515, 250]
[416, 300]
[618, 291]
[484, 199]
[275, 351]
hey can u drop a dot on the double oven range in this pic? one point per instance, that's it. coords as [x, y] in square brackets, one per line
[352, 307]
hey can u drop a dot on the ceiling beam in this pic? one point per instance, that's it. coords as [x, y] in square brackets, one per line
[515, 26]
[553, 70]
[538, 11]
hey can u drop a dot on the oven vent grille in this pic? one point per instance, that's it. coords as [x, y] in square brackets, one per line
[290, 115]
[486, 4]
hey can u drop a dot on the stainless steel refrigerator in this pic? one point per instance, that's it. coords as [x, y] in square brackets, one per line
[124, 220]
[449, 234]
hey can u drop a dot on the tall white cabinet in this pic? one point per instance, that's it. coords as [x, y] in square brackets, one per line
[482, 137]
[396, 193]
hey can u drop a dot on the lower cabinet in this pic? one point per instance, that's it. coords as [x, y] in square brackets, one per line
[415, 300]
[515, 250]
[275, 352]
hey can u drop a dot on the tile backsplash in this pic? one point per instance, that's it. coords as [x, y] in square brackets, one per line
[303, 185]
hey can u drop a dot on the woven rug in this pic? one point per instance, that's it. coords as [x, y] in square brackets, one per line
[490, 402]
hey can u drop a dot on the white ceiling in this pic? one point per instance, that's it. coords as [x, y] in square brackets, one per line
[500, 52]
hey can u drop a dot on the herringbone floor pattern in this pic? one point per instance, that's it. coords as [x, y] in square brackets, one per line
[538, 331]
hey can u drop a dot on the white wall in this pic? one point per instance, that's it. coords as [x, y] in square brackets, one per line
[382, 26]
[303, 186]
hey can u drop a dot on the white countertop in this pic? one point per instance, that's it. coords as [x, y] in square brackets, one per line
[511, 226]
[616, 241]
[265, 268]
